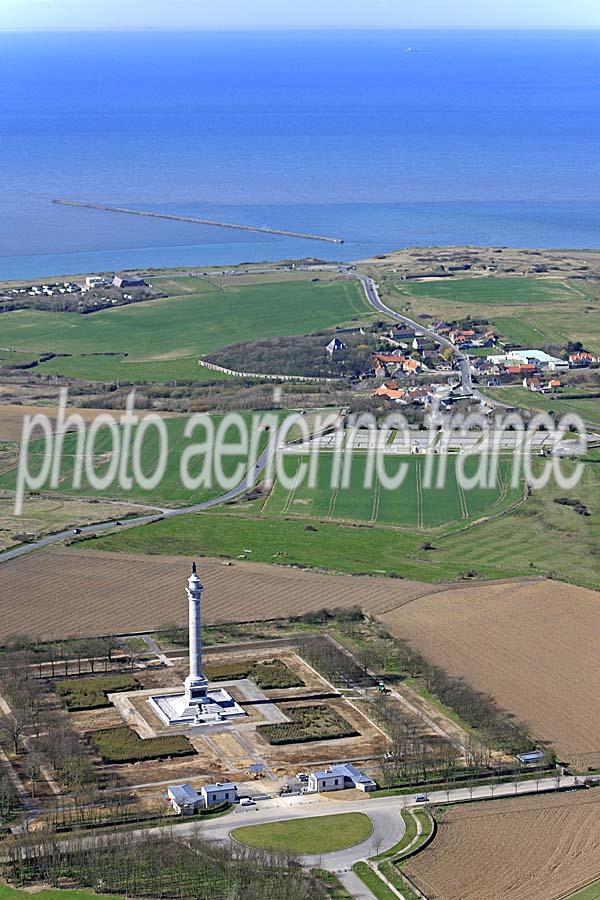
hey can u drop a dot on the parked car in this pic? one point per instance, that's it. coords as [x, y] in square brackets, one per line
[247, 801]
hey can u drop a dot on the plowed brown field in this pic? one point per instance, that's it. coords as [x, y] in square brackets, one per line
[532, 645]
[68, 592]
[531, 848]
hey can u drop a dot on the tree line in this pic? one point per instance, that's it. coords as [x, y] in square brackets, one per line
[159, 866]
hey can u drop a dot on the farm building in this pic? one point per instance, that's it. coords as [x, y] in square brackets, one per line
[122, 281]
[339, 778]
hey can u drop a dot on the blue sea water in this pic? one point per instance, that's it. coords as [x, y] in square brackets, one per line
[385, 139]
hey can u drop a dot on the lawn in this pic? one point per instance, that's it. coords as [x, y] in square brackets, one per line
[373, 882]
[162, 340]
[307, 723]
[121, 744]
[308, 837]
[91, 693]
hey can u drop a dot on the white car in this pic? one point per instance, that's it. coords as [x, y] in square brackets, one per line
[247, 801]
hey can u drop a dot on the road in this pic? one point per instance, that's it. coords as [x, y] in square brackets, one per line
[372, 295]
[388, 826]
[244, 485]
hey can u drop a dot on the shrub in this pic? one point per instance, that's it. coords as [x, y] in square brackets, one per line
[91, 693]
[122, 744]
[272, 673]
[308, 723]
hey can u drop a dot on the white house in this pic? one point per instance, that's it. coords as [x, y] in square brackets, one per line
[335, 346]
[185, 800]
[213, 794]
[339, 778]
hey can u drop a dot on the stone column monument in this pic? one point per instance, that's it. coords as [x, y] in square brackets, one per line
[199, 704]
[196, 684]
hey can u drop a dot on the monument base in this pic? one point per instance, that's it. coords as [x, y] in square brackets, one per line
[216, 706]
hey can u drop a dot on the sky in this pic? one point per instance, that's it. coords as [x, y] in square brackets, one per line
[33, 15]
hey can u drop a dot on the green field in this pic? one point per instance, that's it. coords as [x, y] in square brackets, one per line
[412, 504]
[162, 340]
[588, 409]
[528, 311]
[591, 892]
[536, 537]
[170, 490]
[311, 836]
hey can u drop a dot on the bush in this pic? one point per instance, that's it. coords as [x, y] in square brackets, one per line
[308, 723]
[272, 673]
[122, 744]
[91, 693]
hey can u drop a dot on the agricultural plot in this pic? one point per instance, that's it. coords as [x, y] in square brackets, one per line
[162, 340]
[528, 311]
[533, 848]
[588, 409]
[414, 503]
[531, 645]
[64, 593]
[170, 489]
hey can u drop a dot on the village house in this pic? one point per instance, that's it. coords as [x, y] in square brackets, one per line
[532, 382]
[341, 777]
[582, 359]
[335, 346]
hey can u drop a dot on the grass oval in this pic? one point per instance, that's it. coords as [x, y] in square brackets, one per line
[310, 836]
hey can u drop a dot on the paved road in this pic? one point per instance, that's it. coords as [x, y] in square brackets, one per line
[388, 826]
[163, 513]
[372, 295]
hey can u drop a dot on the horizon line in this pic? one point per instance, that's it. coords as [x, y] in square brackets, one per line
[77, 29]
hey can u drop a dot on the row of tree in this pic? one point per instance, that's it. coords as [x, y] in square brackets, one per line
[160, 866]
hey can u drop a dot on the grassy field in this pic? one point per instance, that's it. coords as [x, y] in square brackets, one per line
[591, 892]
[588, 409]
[170, 490]
[310, 836]
[528, 311]
[162, 340]
[412, 504]
[536, 537]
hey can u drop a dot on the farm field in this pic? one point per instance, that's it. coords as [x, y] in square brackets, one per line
[44, 516]
[310, 836]
[588, 409]
[497, 547]
[412, 504]
[534, 848]
[162, 340]
[528, 311]
[531, 645]
[67, 592]
[170, 490]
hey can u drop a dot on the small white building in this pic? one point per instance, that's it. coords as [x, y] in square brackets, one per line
[185, 800]
[221, 792]
[339, 778]
[335, 346]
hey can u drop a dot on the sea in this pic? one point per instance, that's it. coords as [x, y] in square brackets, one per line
[382, 139]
